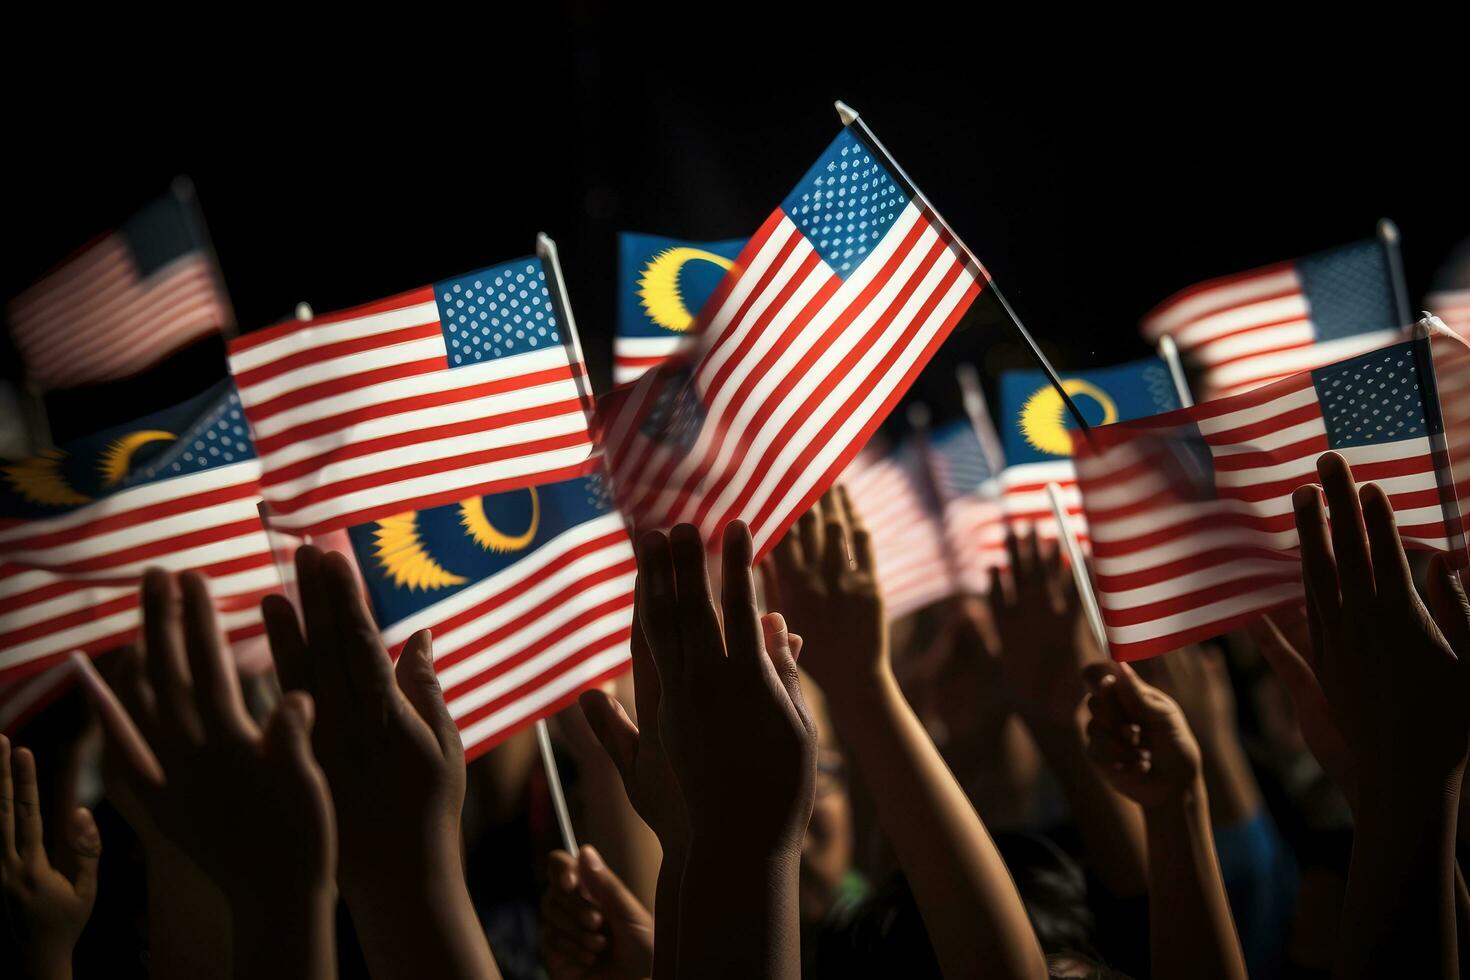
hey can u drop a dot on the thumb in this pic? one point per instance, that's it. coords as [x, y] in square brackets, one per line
[614, 730]
[608, 892]
[86, 847]
[1132, 693]
[1448, 605]
[419, 682]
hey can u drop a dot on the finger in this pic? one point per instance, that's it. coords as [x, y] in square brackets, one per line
[85, 843]
[1349, 537]
[316, 608]
[1284, 659]
[655, 607]
[809, 535]
[561, 871]
[419, 682]
[1319, 565]
[568, 916]
[742, 616]
[1105, 749]
[1108, 713]
[7, 805]
[607, 890]
[1133, 695]
[365, 660]
[28, 837]
[786, 562]
[615, 731]
[288, 736]
[125, 674]
[1391, 573]
[777, 643]
[139, 763]
[837, 553]
[1013, 551]
[216, 688]
[163, 652]
[699, 627]
[1449, 606]
[288, 646]
[796, 644]
[646, 689]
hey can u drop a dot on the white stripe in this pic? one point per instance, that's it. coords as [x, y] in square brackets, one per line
[508, 716]
[240, 583]
[1256, 343]
[1219, 297]
[649, 346]
[346, 366]
[325, 334]
[1213, 612]
[1246, 372]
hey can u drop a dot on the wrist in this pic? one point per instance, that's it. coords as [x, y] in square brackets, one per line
[1189, 802]
[860, 692]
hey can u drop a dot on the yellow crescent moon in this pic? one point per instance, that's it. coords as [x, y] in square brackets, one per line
[39, 479]
[401, 552]
[118, 455]
[487, 535]
[658, 285]
[1044, 416]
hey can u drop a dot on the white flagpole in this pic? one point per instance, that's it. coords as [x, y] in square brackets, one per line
[1388, 234]
[304, 311]
[974, 400]
[553, 781]
[1068, 537]
[547, 252]
[1169, 351]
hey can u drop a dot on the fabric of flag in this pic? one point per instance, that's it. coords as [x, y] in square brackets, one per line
[529, 594]
[888, 489]
[79, 524]
[1240, 332]
[1190, 512]
[663, 283]
[123, 302]
[469, 386]
[1036, 433]
[968, 483]
[1452, 306]
[831, 310]
[23, 699]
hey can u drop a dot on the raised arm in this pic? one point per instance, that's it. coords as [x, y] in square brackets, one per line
[969, 903]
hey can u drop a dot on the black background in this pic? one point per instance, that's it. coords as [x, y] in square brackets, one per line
[1090, 193]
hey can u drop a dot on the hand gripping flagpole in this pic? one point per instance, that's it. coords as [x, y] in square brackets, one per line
[852, 120]
[1169, 351]
[1388, 234]
[1068, 536]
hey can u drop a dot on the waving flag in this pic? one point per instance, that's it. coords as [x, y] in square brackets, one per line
[1190, 512]
[888, 489]
[470, 386]
[1453, 307]
[1240, 332]
[663, 283]
[123, 302]
[79, 524]
[529, 594]
[830, 312]
[1036, 432]
[969, 487]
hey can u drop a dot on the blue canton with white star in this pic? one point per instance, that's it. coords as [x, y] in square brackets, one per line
[963, 468]
[497, 312]
[845, 204]
[1348, 290]
[677, 415]
[1376, 398]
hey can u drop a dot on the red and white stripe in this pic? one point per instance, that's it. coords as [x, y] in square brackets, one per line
[1170, 569]
[523, 643]
[1247, 330]
[796, 369]
[94, 319]
[1452, 306]
[633, 356]
[913, 567]
[1027, 505]
[975, 530]
[358, 415]
[71, 582]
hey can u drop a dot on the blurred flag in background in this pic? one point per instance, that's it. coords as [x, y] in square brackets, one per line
[663, 283]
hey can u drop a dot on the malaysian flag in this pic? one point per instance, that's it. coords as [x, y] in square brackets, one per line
[80, 523]
[1036, 431]
[889, 488]
[470, 386]
[968, 482]
[1190, 512]
[830, 312]
[124, 302]
[529, 594]
[663, 283]
[1240, 332]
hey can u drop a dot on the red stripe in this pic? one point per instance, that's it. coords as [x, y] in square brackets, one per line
[1235, 462]
[20, 600]
[323, 390]
[717, 299]
[153, 549]
[1197, 562]
[342, 348]
[413, 297]
[132, 518]
[1197, 600]
[476, 749]
[1189, 292]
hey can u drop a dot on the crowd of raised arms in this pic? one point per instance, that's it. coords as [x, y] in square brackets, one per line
[803, 791]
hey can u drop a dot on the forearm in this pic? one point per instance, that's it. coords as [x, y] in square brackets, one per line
[188, 919]
[666, 913]
[740, 911]
[1191, 932]
[1110, 823]
[966, 895]
[421, 923]
[1235, 797]
[285, 936]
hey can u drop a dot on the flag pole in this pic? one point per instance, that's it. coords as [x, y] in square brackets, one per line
[553, 782]
[547, 252]
[973, 397]
[1169, 351]
[304, 312]
[853, 120]
[183, 190]
[1068, 536]
[1388, 234]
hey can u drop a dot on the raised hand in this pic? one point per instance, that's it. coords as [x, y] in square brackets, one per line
[1138, 738]
[45, 908]
[249, 807]
[592, 926]
[393, 757]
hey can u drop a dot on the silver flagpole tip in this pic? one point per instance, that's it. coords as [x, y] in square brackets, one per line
[304, 311]
[845, 112]
[1388, 232]
[545, 247]
[919, 415]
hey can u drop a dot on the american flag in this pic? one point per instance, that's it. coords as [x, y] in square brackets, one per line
[968, 482]
[1190, 512]
[79, 524]
[663, 283]
[529, 594]
[1452, 306]
[888, 488]
[830, 312]
[1240, 332]
[123, 302]
[1036, 431]
[469, 386]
